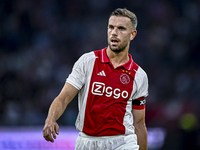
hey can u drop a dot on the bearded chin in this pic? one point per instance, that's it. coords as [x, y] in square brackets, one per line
[117, 49]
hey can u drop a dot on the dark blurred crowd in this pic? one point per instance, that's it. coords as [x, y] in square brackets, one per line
[41, 39]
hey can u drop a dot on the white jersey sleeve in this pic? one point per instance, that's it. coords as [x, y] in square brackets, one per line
[79, 73]
[141, 84]
[77, 76]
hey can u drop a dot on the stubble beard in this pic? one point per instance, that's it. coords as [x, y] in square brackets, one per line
[117, 49]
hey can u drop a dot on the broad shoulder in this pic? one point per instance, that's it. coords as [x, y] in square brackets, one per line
[87, 56]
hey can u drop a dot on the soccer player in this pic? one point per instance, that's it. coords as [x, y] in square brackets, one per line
[112, 90]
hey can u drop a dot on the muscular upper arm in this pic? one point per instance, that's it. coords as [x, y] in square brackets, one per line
[67, 93]
[138, 117]
[140, 127]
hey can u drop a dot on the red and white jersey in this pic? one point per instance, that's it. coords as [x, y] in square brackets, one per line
[106, 94]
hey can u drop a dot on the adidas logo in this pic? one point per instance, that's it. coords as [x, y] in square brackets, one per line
[102, 73]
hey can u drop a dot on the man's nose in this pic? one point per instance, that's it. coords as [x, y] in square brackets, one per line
[114, 32]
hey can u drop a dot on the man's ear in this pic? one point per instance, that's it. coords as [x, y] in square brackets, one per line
[133, 34]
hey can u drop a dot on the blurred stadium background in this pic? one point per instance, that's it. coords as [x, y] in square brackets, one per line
[41, 39]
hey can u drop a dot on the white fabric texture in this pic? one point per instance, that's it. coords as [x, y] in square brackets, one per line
[120, 142]
[141, 84]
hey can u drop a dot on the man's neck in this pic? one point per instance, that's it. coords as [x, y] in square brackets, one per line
[117, 59]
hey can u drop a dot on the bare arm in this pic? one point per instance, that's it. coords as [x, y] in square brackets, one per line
[56, 109]
[140, 128]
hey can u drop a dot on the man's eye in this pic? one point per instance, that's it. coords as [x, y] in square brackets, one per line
[111, 27]
[121, 28]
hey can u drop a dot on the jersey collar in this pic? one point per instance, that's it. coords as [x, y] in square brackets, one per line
[105, 59]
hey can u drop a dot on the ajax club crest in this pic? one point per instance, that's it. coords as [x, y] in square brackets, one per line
[124, 78]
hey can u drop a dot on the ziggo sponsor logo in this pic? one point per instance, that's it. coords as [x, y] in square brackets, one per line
[99, 88]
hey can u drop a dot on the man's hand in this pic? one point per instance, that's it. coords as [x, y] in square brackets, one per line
[56, 109]
[50, 130]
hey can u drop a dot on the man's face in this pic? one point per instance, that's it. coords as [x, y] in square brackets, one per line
[120, 33]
